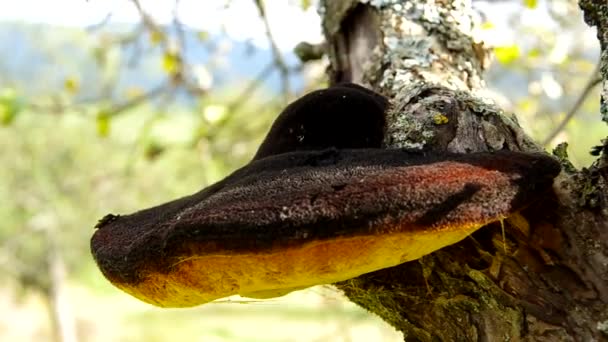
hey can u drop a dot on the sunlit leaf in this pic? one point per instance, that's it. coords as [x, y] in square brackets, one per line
[171, 62]
[305, 4]
[531, 3]
[156, 37]
[103, 123]
[6, 114]
[71, 85]
[534, 53]
[214, 113]
[527, 105]
[10, 106]
[507, 54]
[487, 25]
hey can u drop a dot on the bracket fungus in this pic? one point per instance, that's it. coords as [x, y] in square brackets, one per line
[318, 204]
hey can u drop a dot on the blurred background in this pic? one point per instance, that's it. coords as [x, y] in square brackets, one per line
[116, 105]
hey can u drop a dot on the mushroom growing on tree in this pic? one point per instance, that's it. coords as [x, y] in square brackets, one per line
[317, 205]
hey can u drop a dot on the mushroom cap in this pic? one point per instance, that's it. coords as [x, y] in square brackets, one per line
[317, 121]
[298, 219]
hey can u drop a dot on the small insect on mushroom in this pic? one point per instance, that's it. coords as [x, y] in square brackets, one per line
[318, 204]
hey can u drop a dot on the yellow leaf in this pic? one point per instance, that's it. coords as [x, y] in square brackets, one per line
[527, 105]
[71, 85]
[531, 3]
[103, 123]
[487, 25]
[171, 62]
[6, 114]
[507, 54]
[156, 37]
[305, 4]
[10, 106]
[534, 53]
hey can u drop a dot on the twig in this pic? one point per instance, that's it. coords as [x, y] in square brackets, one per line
[255, 83]
[183, 68]
[146, 19]
[117, 109]
[96, 26]
[179, 27]
[278, 58]
[594, 80]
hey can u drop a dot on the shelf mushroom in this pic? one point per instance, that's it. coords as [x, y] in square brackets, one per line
[312, 210]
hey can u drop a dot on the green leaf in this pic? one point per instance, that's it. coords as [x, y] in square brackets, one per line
[487, 25]
[534, 53]
[7, 114]
[103, 123]
[10, 106]
[305, 4]
[171, 62]
[156, 37]
[71, 85]
[507, 54]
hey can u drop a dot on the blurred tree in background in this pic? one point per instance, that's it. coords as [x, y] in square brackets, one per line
[116, 116]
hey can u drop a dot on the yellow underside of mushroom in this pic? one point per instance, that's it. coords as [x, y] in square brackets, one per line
[201, 279]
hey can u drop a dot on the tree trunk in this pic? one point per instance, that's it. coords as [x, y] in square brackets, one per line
[61, 316]
[546, 277]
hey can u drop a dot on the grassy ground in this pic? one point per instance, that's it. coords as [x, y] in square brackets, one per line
[106, 314]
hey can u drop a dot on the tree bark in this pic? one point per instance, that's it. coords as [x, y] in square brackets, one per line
[546, 278]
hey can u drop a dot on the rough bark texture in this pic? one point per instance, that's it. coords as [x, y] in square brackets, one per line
[596, 14]
[546, 278]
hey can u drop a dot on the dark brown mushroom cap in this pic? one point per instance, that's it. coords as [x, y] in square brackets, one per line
[311, 217]
[343, 116]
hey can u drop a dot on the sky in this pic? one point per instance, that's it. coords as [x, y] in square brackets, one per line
[240, 20]
[289, 24]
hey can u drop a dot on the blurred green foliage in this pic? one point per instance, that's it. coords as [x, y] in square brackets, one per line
[65, 172]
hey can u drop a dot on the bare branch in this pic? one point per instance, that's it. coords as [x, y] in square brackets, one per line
[278, 58]
[178, 76]
[255, 83]
[179, 27]
[137, 100]
[594, 80]
[148, 22]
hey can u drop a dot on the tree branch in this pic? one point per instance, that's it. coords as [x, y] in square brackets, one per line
[550, 283]
[594, 80]
[278, 58]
